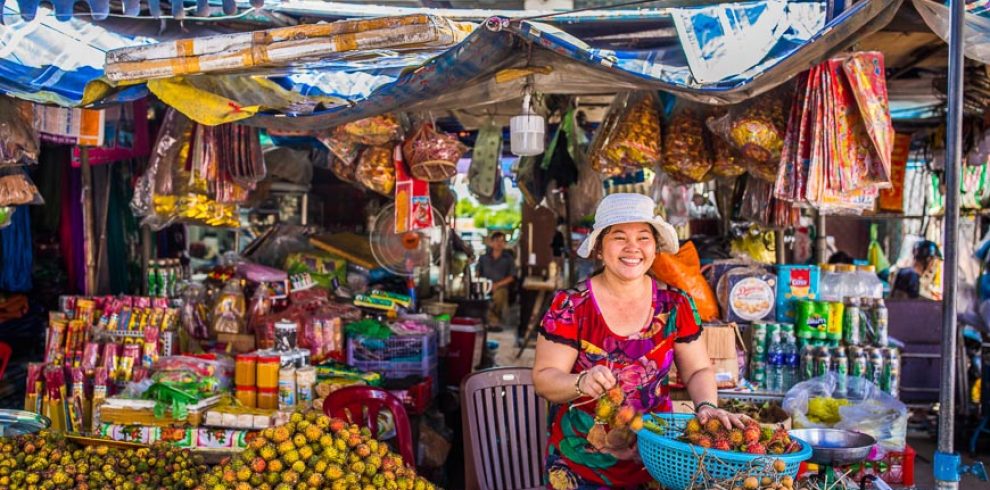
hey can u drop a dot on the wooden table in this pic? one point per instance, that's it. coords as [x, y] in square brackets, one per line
[542, 287]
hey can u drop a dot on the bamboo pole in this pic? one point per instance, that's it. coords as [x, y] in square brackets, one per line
[89, 253]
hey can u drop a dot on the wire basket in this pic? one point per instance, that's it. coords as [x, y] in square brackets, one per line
[676, 464]
[396, 357]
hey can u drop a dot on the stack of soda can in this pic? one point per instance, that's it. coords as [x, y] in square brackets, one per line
[848, 338]
[163, 278]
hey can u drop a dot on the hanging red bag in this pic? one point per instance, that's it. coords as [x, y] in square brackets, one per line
[683, 271]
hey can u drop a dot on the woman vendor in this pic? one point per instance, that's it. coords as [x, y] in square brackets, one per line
[619, 329]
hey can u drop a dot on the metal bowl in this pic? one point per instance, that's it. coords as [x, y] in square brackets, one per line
[835, 446]
[18, 422]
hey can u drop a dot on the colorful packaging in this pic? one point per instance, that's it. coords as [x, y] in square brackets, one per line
[747, 295]
[795, 282]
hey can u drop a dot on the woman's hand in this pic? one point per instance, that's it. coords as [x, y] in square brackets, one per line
[596, 381]
[729, 420]
[629, 453]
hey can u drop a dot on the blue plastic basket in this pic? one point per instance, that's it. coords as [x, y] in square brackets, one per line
[674, 463]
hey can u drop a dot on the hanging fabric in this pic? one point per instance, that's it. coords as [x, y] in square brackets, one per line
[16, 252]
[558, 161]
[485, 160]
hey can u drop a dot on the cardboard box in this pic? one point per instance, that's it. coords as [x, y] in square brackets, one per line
[721, 342]
[184, 437]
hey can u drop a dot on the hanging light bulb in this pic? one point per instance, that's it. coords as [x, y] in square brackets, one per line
[527, 130]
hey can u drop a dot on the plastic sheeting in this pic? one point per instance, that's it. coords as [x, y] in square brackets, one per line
[976, 33]
[49, 61]
[464, 74]
[329, 92]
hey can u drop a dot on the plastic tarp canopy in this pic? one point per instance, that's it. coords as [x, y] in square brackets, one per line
[50, 61]
[468, 74]
[791, 36]
[977, 26]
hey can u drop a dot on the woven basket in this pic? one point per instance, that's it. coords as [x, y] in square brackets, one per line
[433, 170]
[432, 156]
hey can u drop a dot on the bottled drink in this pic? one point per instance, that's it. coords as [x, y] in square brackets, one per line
[807, 362]
[846, 282]
[841, 363]
[827, 284]
[871, 286]
[850, 322]
[880, 323]
[775, 364]
[791, 363]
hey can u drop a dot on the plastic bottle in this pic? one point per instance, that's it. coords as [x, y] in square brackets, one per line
[775, 364]
[792, 362]
[846, 282]
[872, 285]
[827, 290]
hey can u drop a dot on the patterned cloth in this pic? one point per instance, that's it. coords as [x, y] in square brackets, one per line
[641, 363]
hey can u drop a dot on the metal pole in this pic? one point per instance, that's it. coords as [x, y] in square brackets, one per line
[947, 463]
[89, 252]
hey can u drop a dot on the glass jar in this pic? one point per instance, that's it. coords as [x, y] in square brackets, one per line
[245, 369]
[248, 396]
[268, 398]
[267, 372]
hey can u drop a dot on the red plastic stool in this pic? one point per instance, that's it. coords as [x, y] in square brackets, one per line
[361, 405]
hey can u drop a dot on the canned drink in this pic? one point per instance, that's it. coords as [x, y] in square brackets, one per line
[834, 327]
[881, 322]
[823, 361]
[807, 362]
[891, 377]
[759, 341]
[857, 361]
[850, 322]
[874, 366]
[841, 364]
[152, 278]
[758, 373]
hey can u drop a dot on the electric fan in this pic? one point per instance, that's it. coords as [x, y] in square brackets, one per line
[402, 253]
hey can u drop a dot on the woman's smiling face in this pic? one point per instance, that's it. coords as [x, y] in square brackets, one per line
[628, 250]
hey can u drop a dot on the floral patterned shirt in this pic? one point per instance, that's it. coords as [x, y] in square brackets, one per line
[640, 361]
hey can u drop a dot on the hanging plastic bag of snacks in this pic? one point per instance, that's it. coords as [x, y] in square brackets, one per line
[431, 155]
[727, 162]
[373, 131]
[342, 147]
[756, 128]
[19, 141]
[230, 308]
[685, 155]
[342, 170]
[376, 169]
[16, 188]
[629, 137]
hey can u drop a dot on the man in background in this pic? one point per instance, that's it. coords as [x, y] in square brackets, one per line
[499, 266]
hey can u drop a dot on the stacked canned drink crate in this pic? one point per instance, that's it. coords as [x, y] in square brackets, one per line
[848, 338]
[856, 346]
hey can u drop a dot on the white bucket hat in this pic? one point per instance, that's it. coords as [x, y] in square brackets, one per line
[620, 208]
